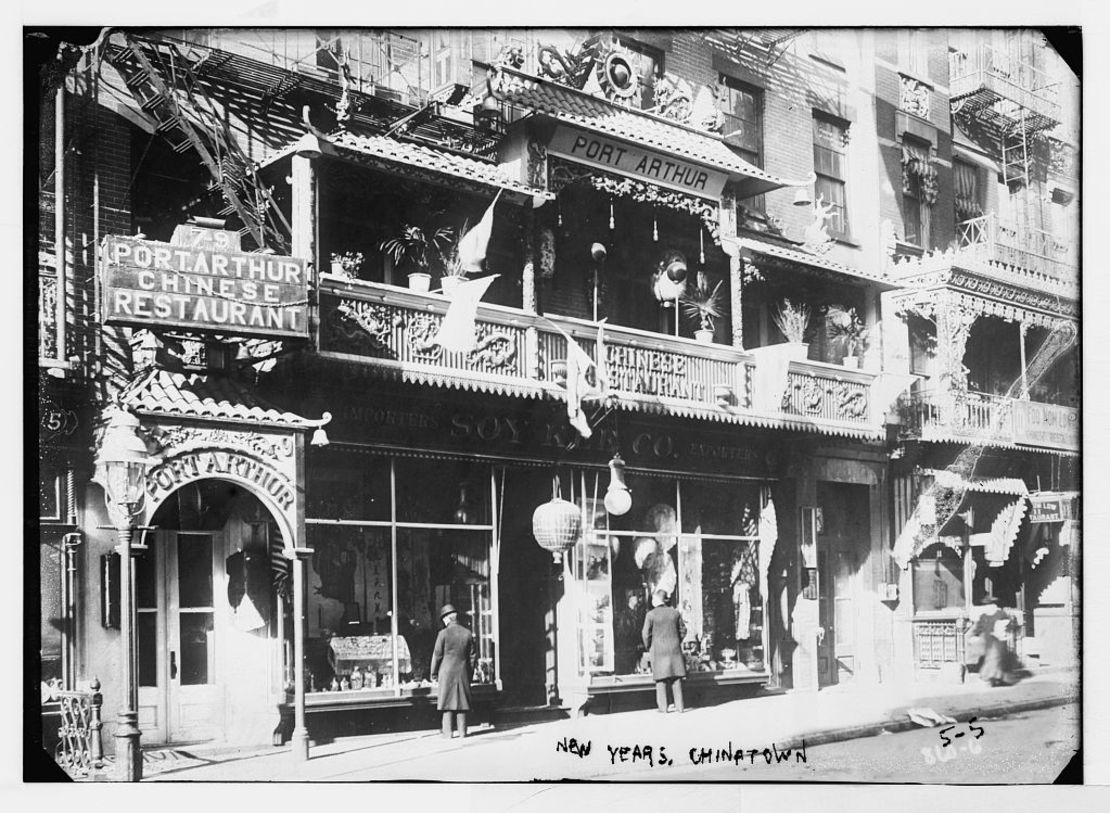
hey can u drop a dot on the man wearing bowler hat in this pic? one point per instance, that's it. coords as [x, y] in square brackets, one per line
[453, 662]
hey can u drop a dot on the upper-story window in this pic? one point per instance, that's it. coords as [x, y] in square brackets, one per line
[969, 193]
[648, 64]
[917, 199]
[914, 48]
[743, 128]
[830, 163]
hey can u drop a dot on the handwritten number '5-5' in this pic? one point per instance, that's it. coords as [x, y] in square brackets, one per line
[977, 730]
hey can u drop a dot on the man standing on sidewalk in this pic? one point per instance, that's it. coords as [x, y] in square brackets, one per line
[453, 662]
[663, 634]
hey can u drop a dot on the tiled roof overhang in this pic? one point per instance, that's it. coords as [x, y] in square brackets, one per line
[814, 261]
[406, 157]
[204, 397]
[579, 109]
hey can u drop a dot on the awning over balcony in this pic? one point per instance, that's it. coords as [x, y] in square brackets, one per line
[589, 113]
[778, 251]
[419, 160]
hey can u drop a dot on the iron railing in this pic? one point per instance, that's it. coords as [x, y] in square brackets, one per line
[985, 418]
[1031, 249]
[1005, 75]
[78, 748]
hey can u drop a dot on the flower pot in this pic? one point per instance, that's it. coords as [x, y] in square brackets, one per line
[557, 372]
[704, 336]
[338, 269]
[799, 351]
[449, 283]
[852, 362]
[420, 281]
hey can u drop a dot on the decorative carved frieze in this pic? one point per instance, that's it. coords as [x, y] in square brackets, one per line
[913, 96]
[174, 439]
[537, 164]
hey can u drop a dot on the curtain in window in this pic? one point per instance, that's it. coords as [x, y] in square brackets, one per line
[967, 191]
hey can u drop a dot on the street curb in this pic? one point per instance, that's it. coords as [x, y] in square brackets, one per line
[873, 729]
[844, 733]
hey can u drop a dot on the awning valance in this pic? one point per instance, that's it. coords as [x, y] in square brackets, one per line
[995, 507]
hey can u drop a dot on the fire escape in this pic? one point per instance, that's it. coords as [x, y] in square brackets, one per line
[163, 77]
[1004, 101]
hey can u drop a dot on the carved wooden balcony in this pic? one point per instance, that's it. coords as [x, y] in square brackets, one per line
[993, 420]
[522, 354]
[1002, 91]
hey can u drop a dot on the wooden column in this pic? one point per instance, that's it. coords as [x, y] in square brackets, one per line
[736, 291]
[305, 209]
[529, 294]
[1023, 329]
[299, 739]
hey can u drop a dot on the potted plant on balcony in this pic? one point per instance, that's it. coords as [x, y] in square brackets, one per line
[844, 327]
[453, 270]
[347, 263]
[702, 306]
[409, 250]
[793, 320]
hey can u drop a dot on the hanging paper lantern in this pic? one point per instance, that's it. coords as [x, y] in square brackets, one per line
[557, 526]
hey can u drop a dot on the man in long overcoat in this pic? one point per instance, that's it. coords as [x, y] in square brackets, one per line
[453, 661]
[663, 633]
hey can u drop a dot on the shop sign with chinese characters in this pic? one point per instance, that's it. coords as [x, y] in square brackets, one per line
[636, 162]
[200, 281]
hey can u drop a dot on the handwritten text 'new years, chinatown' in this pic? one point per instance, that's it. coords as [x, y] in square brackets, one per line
[657, 756]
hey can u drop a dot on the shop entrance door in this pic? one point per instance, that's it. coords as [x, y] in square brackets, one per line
[180, 696]
[842, 542]
[194, 564]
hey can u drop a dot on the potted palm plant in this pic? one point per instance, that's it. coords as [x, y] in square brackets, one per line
[410, 250]
[793, 320]
[845, 327]
[453, 270]
[702, 306]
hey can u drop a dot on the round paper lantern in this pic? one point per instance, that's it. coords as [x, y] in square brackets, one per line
[557, 526]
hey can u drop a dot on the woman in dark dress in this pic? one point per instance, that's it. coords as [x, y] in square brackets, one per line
[453, 662]
[998, 666]
[663, 633]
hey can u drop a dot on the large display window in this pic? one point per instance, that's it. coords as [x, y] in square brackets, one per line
[696, 540]
[394, 539]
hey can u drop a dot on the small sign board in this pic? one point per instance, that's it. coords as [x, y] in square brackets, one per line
[202, 283]
[1046, 508]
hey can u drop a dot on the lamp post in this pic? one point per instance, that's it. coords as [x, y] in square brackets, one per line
[122, 462]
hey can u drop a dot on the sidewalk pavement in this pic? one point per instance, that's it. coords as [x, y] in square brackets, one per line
[595, 745]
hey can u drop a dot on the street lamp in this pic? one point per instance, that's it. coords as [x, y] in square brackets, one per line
[122, 462]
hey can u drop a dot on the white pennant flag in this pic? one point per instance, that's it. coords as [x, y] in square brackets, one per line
[601, 372]
[885, 389]
[457, 331]
[473, 244]
[772, 369]
[578, 386]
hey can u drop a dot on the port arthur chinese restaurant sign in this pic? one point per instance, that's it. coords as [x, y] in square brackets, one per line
[201, 282]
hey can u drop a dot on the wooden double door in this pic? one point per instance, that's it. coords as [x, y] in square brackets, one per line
[843, 541]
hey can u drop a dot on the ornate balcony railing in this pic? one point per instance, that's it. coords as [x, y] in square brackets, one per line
[524, 354]
[1012, 89]
[989, 419]
[1031, 249]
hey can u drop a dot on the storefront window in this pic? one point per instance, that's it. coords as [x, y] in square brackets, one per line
[698, 541]
[375, 586]
[938, 580]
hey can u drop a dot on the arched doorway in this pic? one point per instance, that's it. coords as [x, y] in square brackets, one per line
[211, 593]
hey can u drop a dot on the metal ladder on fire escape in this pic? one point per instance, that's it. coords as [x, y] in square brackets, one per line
[190, 120]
